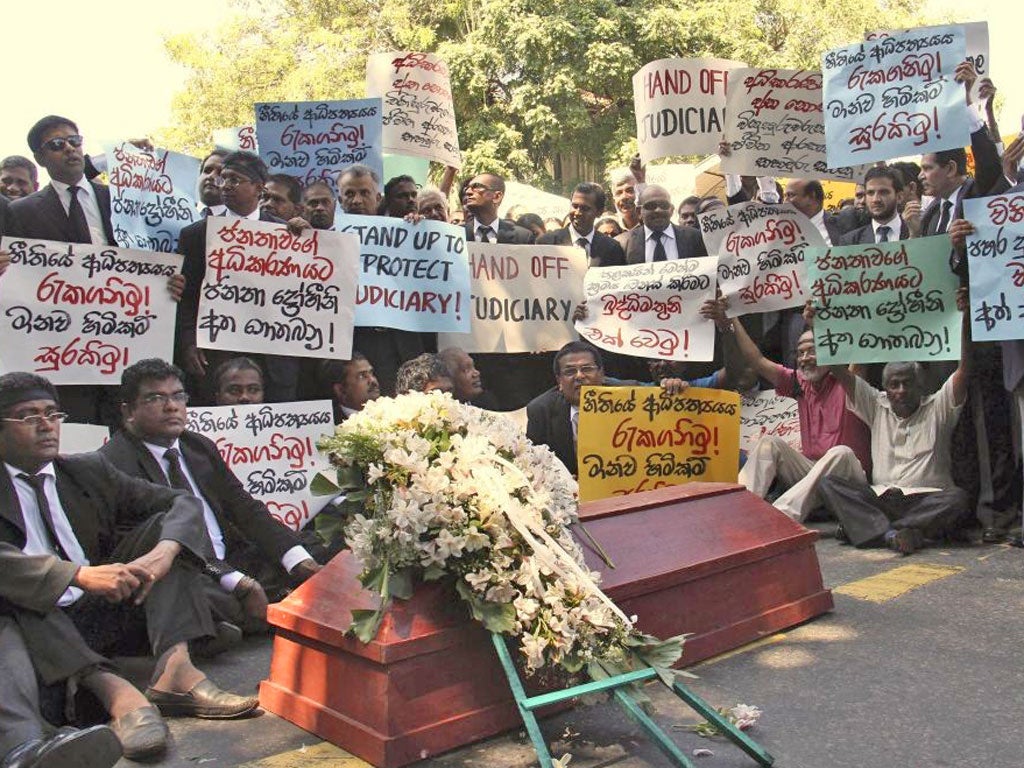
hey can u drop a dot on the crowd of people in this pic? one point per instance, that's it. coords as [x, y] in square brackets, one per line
[152, 546]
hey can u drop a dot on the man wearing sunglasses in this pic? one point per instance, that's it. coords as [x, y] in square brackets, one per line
[481, 199]
[658, 239]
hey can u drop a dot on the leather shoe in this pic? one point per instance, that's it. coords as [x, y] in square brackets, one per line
[142, 732]
[228, 636]
[95, 747]
[205, 700]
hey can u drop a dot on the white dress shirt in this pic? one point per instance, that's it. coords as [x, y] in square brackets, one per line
[37, 537]
[90, 207]
[895, 225]
[818, 220]
[574, 238]
[668, 239]
[492, 236]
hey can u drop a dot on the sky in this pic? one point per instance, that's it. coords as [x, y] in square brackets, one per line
[120, 81]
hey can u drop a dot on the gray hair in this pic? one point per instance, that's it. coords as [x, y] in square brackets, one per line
[892, 369]
[358, 170]
[413, 375]
[621, 175]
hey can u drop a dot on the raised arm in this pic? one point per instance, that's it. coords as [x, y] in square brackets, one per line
[962, 372]
[765, 368]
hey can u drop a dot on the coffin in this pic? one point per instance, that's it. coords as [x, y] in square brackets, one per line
[710, 559]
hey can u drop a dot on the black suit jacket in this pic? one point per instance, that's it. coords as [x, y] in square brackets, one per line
[242, 518]
[833, 227]
[604, 251]
[689, 244]
[40, 216]
[507, 232]
[4, 204]
[866, 235]
[548, 422]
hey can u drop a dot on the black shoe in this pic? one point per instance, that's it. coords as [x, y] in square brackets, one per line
[841, 536]
[228, 636]
[993, 536]
[95, 747]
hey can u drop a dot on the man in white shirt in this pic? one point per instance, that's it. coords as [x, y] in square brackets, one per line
[808, 197]
[883, 187]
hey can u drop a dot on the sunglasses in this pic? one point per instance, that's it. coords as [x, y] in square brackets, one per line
[57, 144]
[657, 205]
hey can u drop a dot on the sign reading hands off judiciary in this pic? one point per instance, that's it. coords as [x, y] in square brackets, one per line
[895, 96]
[634, 439]
[651, 310]
[152, 196]
[80, 313]
[315, 140]
[885, 302]
[760, 252]
[995, 259]
[523, 297]
[266, 288]
[775, 126]
[272, 451]
[418, 113]
[680, 106]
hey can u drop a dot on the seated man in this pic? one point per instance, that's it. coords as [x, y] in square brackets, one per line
[466, 381]
[914, 496]
[238, 381]
[91, 565]
[833, 440]
[425, 373]
[351, 383]
[249, 545]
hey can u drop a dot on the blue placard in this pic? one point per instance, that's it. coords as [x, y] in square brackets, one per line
[895, 96]
[314, 140]
[995, 260]
[414, 277]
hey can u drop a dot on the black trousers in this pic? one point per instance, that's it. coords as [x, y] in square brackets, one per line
[866, 516]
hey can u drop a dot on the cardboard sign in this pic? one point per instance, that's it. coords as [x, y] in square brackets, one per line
[634, 439]
[975, 39]
[680, 106]
[152, 196]
[240, 137]
[652, 310]
[760, 255]
[885, 302]
[769, 415]
[82, 438]
[272, 451]
[418, 113]
[775, 126]
[522, 297]
[80, 313]
[266, 288]
[995, 260]
[895, 96]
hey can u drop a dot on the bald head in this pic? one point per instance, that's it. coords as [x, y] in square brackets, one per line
[655, 207]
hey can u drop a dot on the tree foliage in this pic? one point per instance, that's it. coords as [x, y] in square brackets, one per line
[543, 88]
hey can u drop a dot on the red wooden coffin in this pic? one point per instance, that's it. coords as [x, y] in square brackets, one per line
[710, 559]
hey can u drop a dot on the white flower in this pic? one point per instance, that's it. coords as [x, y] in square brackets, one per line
[744, 716]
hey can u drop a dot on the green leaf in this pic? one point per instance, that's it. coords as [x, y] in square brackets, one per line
[433, 573]
[328, 527]
[496, 617]
[323, 484]
[365, 623]
[400, 584]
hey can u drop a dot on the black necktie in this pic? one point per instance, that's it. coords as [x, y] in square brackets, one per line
[175, 475]
[79, 228]
[38, 483]
[485, 234]
[944, 218]
[207, 211]
[883, 234]
[659, 247]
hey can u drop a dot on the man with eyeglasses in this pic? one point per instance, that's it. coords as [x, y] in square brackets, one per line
[242, 179]
[658, 239]
[95, 562]
[481, 199]
[250, 547]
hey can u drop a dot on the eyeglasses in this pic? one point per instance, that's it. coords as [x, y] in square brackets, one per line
[153, 398]
[230, 182]
[586, 370]
[58, 143]
[37, 419]
[478, 186]
[657, 205]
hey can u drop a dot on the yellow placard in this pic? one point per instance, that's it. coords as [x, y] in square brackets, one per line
[635, 439]
[836, 192]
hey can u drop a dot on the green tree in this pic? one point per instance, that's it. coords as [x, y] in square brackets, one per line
[542, 88]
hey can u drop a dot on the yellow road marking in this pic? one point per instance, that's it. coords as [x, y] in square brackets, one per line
[752, 646]
[322, 754]
[891, 584]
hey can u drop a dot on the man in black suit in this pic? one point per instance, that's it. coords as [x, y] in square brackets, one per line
[808, 197]
[242, 178]
[19, 177]
[882, 186]
[4, 205]
[658, 239]
[481, 200]
[98, 562]
[586, 204]
[155, 446]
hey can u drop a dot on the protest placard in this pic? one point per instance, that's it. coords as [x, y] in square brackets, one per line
[266, 288]
[836, 192]
[680, 106]
[760, 252]
[895, 96]
[769, 415]
[884, 302]
[272, 451]
[314, 140]
[82, 438]
[651, 310]
[634, 439]
[522, 298]
[418, 114]
[241, 137]
[153, 195]
[995, 260]
[775, 127]
[413, 277]
[975, 40]
[82, 313]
